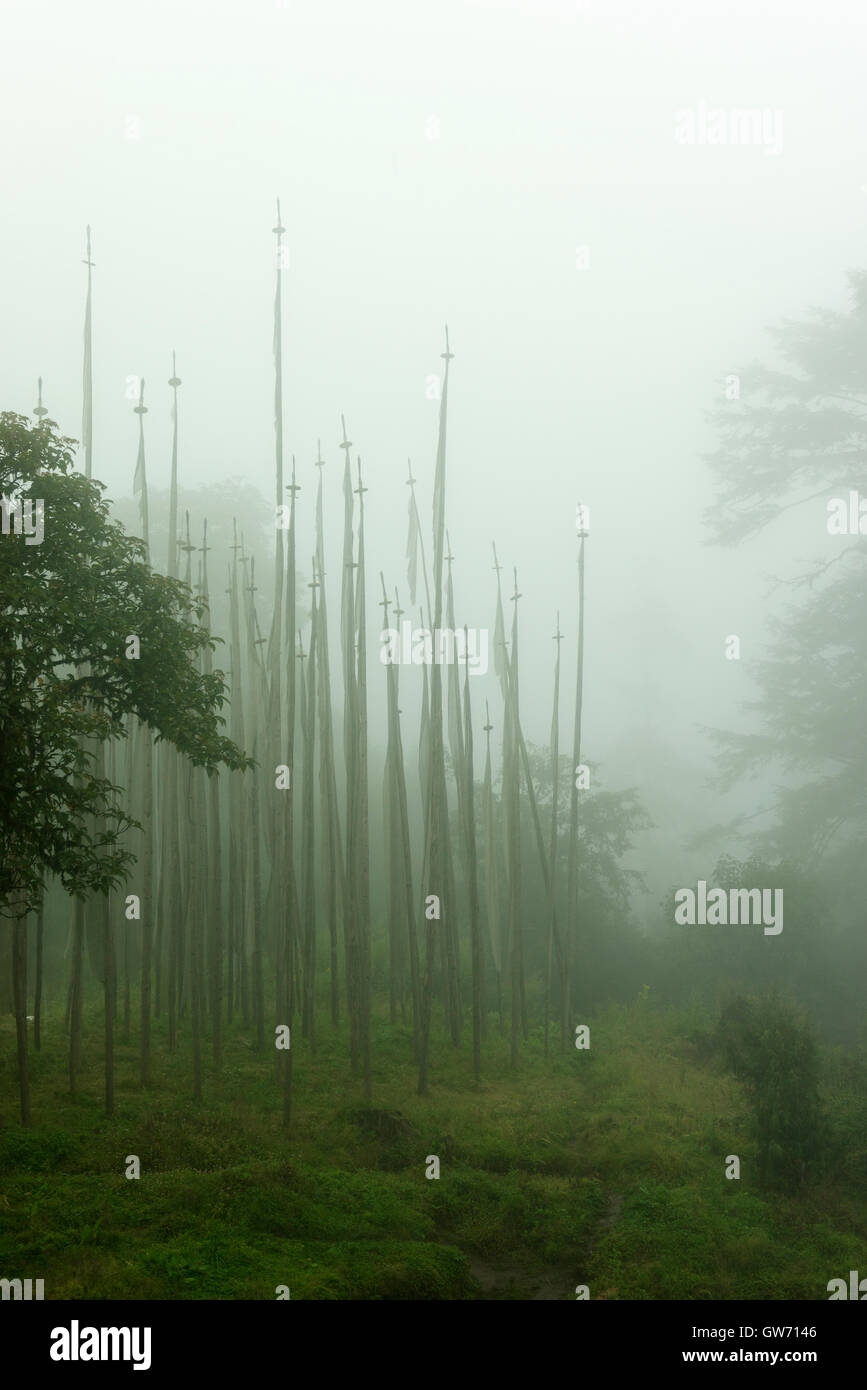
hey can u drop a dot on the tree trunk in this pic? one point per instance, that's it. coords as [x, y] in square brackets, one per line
[108, 998]
[472, 874]
[216, 916]
[19, 994]
[147, 904]
[75, 1005]
[37, 1002]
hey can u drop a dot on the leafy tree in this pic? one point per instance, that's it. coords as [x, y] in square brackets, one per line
[70, 674]
[230, 504]
[611, 963]
[772, 1050]
[819, 958]
[607, 824]
[799, 433]
[75, 601]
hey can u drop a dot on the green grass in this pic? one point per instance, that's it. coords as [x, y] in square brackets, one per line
[603, 1167]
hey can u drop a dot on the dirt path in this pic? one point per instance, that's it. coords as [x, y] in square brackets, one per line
[551, 1285]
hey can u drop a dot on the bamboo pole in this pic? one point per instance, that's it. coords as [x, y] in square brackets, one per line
[308, 886]
[289, 891]
[147, 779]
[492, 875]
[552, 852]
[405, 851]
[362, 884]
[350, 753]
[257, 704]
[332, 847]
[214, 886]
[472, 868]
[572, 879]
[435, 873]
[235, 790]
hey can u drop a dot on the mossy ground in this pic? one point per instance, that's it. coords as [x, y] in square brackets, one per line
[603, 1167]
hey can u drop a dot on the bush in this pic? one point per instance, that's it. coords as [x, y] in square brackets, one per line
[771, 1049]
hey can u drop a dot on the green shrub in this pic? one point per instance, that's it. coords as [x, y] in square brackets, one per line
[770, 1047]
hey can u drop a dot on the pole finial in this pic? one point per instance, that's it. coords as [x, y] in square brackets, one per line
[347, 443]
[39, 409]
[488, 725]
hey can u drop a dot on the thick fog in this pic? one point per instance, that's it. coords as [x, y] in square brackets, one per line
[520, 960]
[536, 175]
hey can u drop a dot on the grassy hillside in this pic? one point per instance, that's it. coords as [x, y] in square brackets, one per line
[603, 1168]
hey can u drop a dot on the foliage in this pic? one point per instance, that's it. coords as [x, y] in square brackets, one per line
[772, 1050]
[800, 433]
[69, 607]
[605, 1171]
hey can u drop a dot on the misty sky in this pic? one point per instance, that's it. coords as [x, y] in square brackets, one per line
[442, 163]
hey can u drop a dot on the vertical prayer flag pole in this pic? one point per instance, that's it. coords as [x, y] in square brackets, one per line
[437, 861]
[363, 837]
[335, 890]
[570, 944]
[172, 565]
[552, 853]
[87, 412]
